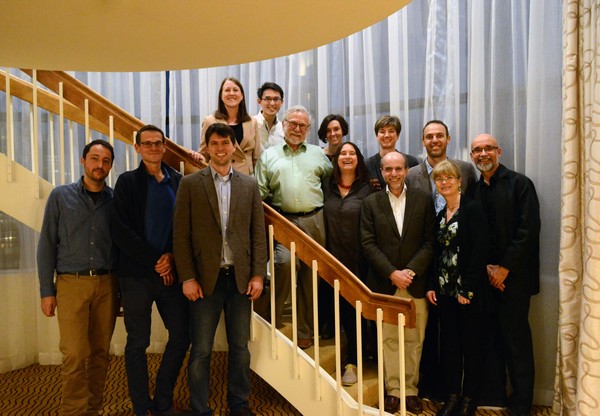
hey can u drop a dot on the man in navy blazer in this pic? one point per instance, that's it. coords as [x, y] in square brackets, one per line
[143, 232]
[397, 237]
[513, 210]
[221, 257]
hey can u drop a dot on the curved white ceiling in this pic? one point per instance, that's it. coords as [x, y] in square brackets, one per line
[152, 35]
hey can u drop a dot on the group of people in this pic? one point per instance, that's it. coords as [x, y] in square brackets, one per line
[466, 250]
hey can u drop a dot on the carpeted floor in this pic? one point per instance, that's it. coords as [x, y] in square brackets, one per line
[35, 390]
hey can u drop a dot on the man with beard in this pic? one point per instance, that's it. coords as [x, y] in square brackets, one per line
[512, 207]
[289, 176]
[143, 232]
[270, 130]
[75, 244]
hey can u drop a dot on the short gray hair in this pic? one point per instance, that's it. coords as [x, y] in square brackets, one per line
[297, 109]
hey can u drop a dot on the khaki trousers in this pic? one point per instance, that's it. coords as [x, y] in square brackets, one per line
[413, 346]
[86, 311]
[314, 226]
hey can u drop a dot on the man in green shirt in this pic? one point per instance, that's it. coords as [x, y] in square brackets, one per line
[289, 177]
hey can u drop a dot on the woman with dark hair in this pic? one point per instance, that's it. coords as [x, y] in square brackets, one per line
[232, 111]
[333, 128]
[344, 192]
[459, 288]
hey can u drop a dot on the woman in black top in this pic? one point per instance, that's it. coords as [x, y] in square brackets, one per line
[344, 192]
[459, 287]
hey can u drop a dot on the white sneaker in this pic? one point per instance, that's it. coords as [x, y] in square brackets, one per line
[349, 377]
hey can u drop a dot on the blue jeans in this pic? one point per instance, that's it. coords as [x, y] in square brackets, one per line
[205, 314]
[138, 296]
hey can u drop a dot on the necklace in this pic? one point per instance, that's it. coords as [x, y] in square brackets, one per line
[452, 209]
[341, 185]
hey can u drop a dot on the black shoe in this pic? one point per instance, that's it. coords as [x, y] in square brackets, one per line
[450, 405]
[468, 407]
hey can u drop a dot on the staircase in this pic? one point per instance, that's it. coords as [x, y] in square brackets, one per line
[309, 379]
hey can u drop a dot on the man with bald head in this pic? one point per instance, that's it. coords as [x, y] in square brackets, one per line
[397, 238]
[512, 207]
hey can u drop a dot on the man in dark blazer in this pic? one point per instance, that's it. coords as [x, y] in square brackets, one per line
[142, 230]
[435, 140]
[512, 207]
[397, 238]
[221, 257]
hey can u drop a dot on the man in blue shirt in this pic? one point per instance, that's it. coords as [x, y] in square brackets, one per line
[143, 232]
[75, 244]
[221, 254]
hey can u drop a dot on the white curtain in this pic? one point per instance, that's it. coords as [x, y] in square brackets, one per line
[480, 65]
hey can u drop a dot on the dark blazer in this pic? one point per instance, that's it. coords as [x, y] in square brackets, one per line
[515, 211]
[197, 237]
[418, 177]
[374, 166]
[387, 251]
[137, 258]
[473, 242]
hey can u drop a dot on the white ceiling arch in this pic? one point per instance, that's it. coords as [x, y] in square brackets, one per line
[153, 35]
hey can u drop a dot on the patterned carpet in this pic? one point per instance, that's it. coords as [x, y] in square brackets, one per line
[35, 390]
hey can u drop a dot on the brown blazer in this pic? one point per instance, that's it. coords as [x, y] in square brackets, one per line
[197, 237]
[246, 153]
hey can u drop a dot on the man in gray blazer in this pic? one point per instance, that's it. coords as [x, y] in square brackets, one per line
[221, 257]
[435, 140]
[397, 226]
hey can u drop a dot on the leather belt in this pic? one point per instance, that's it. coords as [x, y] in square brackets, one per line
[298, 214]
[88, 272]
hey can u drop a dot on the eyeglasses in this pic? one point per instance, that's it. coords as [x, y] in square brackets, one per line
[293, 125]
[480, 150]
[271, 99]
[446, 179]
[148, 145]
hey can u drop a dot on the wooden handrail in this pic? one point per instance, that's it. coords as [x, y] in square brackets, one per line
[307, 250]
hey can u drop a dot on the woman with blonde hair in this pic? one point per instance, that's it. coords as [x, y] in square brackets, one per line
[458, 286]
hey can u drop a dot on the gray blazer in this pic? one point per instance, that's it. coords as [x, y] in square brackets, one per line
[418, 178]
[197, 237]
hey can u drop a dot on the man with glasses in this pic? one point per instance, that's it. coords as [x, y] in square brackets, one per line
[75, 245]
[270, 99]
[512, 207]
[143, 231]
[289, 177]
[435, 140]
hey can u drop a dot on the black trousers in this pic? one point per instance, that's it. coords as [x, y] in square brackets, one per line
[461, 346]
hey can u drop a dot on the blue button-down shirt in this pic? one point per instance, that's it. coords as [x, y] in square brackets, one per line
[160, 202]
[75, 234]
[223, 189]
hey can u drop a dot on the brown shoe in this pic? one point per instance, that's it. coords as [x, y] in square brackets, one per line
[305, 343]
[391, 404]
[413, 404]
